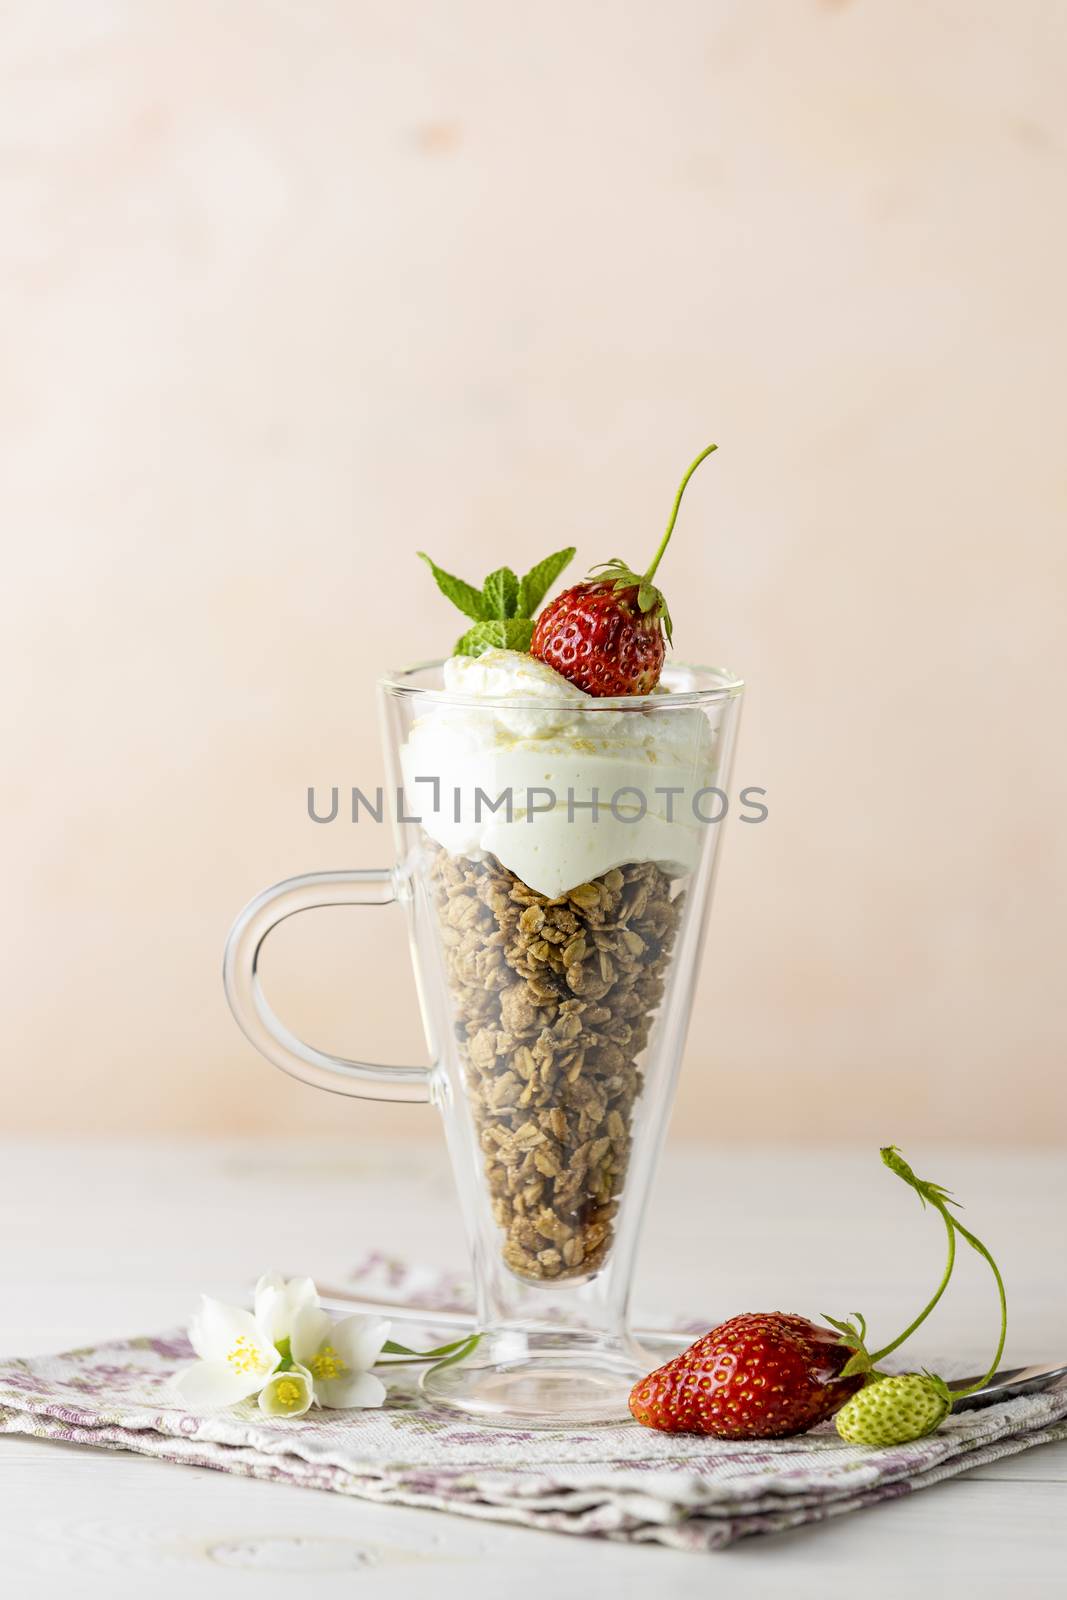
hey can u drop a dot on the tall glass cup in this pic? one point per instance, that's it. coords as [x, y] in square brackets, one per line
[556, 865]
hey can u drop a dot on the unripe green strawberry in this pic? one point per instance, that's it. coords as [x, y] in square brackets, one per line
[894, 1410]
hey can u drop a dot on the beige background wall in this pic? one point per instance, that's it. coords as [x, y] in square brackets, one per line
[290, 290]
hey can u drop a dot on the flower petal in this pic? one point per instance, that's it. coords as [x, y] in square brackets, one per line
[288, 1394]
[309, 1327]
[270, 1315]
[278, 1300]
[358, 1340]
[213, 1385]
[216, 1326]
[267, 1288]
[362, 1389]
[301, 1292]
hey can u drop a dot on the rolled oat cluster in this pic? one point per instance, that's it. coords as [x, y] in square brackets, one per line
[554, 1001]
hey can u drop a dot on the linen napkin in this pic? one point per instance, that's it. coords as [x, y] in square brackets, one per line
[623, 1483]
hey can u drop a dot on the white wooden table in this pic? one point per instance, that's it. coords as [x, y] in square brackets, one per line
[105, 1241]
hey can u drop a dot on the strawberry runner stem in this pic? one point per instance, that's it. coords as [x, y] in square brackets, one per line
[879, 1355]
[620, 576]
[658, 557]
[940, 1199]
[976, 1244]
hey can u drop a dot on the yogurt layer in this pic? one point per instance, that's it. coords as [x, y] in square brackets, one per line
[541, 750]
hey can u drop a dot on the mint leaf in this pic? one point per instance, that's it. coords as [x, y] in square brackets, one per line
[539, 580]
[464, 595]
[501, 610]
[501, 591]
[511, 633]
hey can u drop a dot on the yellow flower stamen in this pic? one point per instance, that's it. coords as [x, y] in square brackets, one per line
[327, 1364]
[243, 1356]
[288, 1393]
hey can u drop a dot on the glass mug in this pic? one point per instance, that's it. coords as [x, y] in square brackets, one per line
[555, 861]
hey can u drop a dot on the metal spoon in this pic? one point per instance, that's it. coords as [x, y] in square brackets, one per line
[1008, 1384]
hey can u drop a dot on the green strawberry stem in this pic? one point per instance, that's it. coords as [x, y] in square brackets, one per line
[976, 1244]
[620, 575]
[658, 557]
[879, 1355]
[940, 1199]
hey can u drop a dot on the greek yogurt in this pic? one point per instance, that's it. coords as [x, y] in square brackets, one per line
[557, 786]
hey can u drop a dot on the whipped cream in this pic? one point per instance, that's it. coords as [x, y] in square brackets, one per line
[549, 748]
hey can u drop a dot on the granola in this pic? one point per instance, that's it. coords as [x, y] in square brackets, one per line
[554, 1001]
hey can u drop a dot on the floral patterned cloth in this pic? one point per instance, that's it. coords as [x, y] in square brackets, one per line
[619, 1483]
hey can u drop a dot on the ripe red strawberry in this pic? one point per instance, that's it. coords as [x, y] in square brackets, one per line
[606, 635]
[761, 1376]
[601, 640]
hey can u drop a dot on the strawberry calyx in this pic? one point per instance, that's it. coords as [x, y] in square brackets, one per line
[620, 576]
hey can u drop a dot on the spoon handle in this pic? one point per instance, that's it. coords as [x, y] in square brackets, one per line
[1009, 1384]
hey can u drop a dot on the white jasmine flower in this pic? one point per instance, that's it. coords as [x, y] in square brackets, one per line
[291, 1353]
[288, 1394]
[278, 1299]
[236, 1357]
[339, 1356]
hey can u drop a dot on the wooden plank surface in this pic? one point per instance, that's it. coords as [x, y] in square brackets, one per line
[107, 1241]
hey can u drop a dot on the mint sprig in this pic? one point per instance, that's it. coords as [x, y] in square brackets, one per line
[502, 609]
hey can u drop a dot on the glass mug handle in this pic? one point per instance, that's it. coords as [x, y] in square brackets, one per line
[365, 1080]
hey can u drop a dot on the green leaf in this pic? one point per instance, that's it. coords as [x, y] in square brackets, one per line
[511, 633]
[501, 591]
[406, 1355]
[464, 595]
[464, 1350]
[539, 580]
